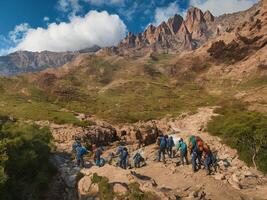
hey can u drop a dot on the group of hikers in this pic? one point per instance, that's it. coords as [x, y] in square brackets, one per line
[122, 153]
[199, 151]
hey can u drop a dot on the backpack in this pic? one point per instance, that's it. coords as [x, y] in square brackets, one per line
[183, 146]
[83, 150]
[163, 142]
[200, 143]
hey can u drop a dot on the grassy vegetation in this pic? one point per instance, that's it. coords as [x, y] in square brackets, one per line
[24, 167]
[106, 190]
[139, 97]
[243, 130]
[254, 82]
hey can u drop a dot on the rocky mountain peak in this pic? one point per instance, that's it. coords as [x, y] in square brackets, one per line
[208, 16]
[196, 23]
[175, 22]
[194, 14]
[163, 28]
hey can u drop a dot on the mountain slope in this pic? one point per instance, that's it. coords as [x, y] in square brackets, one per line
[153, 85]
[25, 61]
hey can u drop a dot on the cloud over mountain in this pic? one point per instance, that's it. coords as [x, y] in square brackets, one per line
[219, 7]
[95, 28]
[164, 13]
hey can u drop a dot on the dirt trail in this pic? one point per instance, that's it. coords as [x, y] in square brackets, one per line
[234, 180]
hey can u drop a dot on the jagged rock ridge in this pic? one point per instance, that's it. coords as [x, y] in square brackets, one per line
[175, 34]
[179, 34]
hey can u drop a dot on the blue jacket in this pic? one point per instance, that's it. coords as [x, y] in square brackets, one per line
[75, 145]
[182, 146]
[125, 154]
[163, 143]
[80, 151]
[98, 153]
[170, 142]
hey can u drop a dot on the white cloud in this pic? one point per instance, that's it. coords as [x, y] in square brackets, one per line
[105, 2]
[71, 6]
[19, 32]
[219, 7]
[46, 19]
[164, 13]
[95, 28]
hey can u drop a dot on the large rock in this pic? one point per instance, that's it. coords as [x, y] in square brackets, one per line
[86, 188]
[120, 189]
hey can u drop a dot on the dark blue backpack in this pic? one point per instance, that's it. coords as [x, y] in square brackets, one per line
[163, 142]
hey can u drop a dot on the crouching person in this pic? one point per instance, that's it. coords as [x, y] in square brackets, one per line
[137, 160]
[99, 161]
[80, 152]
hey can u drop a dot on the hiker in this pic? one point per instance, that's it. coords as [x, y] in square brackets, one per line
[76, 143]
[97, 156]
[80, 152]
[181, 145]
[162, 147]
[170, 145]
[195, 153]
[137, 160]
[124, 160]
[123, 156]
[209, 159]
[200, 145]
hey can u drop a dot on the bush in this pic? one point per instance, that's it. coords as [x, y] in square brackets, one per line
[105, 188]
[24, 167]
[244, 130]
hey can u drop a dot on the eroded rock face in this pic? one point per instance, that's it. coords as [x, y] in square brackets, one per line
[208, 16]
[86, 188]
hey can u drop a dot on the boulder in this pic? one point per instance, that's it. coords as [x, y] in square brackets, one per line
[120, 188]
[86, 188]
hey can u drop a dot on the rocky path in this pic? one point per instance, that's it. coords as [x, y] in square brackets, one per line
[234, 180]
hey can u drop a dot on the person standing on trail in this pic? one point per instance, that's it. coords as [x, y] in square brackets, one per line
[170, 145]
[162, 147]
[97, 156]
[181, 145]
[124, 160]
[195, 153]
[209, 159]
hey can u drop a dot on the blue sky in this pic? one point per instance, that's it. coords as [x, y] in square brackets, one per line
[26, 24]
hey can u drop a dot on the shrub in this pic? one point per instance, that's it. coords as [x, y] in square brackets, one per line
[244, 130]
[105, 188]
[24, 168]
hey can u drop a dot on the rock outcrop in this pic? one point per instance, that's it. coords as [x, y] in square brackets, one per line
[178, 34]
[174, 35]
